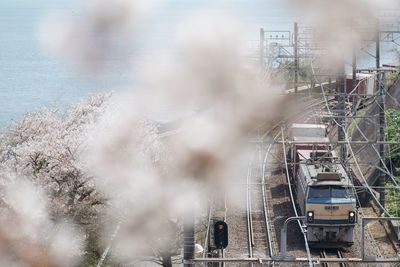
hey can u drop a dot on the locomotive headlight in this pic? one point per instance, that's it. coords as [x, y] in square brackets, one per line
[310, 216]
[352, 217]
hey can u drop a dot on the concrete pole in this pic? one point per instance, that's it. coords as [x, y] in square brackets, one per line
[262, 51]
[188, 238]
[296, 56]
[382, 126]
[341, 110]
[354, 68]
[282, 254]
[381, 102]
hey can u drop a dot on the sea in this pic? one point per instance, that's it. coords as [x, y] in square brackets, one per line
[32, 78]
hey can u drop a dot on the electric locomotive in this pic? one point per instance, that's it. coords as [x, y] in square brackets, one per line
[324, 192]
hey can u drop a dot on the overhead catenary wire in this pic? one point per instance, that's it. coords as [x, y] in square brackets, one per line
[389, 173]
[350, 149]
[359, 169]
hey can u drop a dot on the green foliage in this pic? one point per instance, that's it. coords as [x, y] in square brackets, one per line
[393, 202]
[352, 126]
[393, 134]
[305, 74]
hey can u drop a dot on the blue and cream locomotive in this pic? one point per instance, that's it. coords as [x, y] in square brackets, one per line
[324, 192]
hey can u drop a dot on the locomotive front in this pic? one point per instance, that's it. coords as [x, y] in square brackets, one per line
[330, 210]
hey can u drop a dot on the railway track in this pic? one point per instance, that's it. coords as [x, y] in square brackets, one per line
[265, 200]
[268, 202]
[277, 194]
[277, 199]
[238, 221]
[249, 236]
[258, 224]
[272, 200]
[333, 253]
[258, 234]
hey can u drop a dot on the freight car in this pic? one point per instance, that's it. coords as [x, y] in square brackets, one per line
[324, 191]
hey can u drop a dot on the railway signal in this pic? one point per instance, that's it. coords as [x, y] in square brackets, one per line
[221, 234]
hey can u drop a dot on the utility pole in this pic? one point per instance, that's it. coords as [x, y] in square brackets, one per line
[262, 49]
[382, 125]
[354, 68]
[188, 238]
[341, 109]
[379, 83]
[296, 56]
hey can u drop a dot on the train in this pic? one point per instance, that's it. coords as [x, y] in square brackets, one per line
[323, 189]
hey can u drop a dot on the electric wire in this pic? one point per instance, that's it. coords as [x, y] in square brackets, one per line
[358, 167]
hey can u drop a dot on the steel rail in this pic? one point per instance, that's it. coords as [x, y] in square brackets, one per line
[249, 218]
[271, 247]
[249, 207]
[265, 203]
[337, 252]
[338, 142]
[250, 234]
[322, 253]
[294, 205]
[314, 260]
[300, 115]
[205, 247]
[356, 162]
[340, 255]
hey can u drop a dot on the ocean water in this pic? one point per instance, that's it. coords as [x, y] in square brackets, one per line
[31, 78]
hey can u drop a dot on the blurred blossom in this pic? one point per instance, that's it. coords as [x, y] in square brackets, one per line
[102, 32]
[150, 178]
[28, 202]
[210, 71]
[129, 163]
[341, 25]
[37, 211]
[118, 13]
[66, 244]
[28, 236]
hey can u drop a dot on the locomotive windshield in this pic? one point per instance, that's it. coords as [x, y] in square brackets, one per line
[329, 191]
